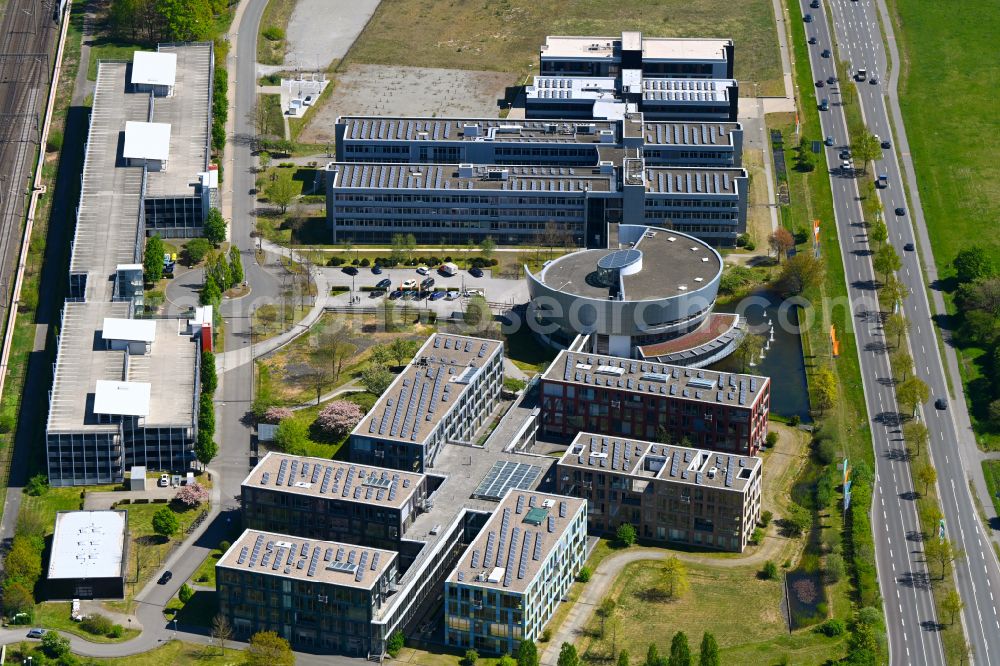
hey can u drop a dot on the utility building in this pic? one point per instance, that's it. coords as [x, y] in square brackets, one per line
[89, 555]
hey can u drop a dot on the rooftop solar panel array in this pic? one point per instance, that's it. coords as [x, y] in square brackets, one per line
[504, 475]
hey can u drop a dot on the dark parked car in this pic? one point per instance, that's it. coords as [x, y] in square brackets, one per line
[812, 40]
[814, 4]
[831, 80]
[824, 104]
[350, 270]
[908, 247]
[901, 211]
[845, 154]
[808, 18]
[886, 145]
[940, 403]
[165, 578]
[394, 295]
[825, 53]
[475, 271]
[376, 270]
[384, 284]
[427, 283]
[437, 295]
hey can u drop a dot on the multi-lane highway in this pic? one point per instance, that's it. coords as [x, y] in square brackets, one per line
[903, 574]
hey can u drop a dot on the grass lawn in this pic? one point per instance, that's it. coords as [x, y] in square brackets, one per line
[733, 603]
[148, 550]
[55, 615]
[506, 35]
[991, 470]
[955, 167]
[526, 352]
[274, 119]
[111, 49]
[176, 652]
[319, 444]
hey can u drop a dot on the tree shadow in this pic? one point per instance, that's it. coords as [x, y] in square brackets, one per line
[915, 580]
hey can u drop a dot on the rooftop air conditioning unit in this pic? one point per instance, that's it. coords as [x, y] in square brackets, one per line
[551, 128]
[586, 128]
[465, 170]
[471, 129]
[497, 174]
[712, 472]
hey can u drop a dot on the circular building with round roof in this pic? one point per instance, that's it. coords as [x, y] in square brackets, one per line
[650, 295]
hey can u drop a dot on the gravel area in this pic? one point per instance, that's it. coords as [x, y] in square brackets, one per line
[321, 31]
[409, 91]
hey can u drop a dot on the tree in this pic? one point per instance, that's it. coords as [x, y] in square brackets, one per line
[395, 643]
[942, 552]
[834, 567]
[380, 355]
[205, 448]
[605, 611]
[470, 658]
[487, 246]
[209, 376]
[800, 273]
[402, 350]
[264, 158]
[748, 350]
[896, 326]
[680, 653]
[824, 390]
[339, 417]
[210, 294]
[673, 578]
[917, 434]
[215, 227]
[398, 248]
[17, 598]
[165, 522]
[477, 314]
[292, 436]
[866, 148]
[879, 233]
[54, 645]
[926, 474]
[709, 655]
[952, 603]
[192, 495]
[652, 656]
[185, 593]
[23, 562]
[584, 575]
[770, 571]
[276, 415]
[902, 363]
[568, 656]
[221, 630]
[626, 534]
[281, 192]
[206, 412]
[623, 658]
[376, 379]
[236, 265]
[152, 259]
[973, 264]
[781, 241]
[196, 249]
[506, 660]
[527, 653]
[912, 392]
[886, 262]
[267, 648]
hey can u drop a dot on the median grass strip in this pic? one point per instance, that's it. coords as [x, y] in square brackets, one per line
[505, 35]
[271, 38]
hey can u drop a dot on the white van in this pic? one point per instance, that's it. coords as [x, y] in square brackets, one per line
[448, 269]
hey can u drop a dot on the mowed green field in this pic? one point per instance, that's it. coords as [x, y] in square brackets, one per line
[505, 35]
[945, 91]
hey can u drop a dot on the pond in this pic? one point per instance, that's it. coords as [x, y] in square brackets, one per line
[782, 361]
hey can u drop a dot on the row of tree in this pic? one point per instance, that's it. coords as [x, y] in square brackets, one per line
[205, 448]
[152, 21]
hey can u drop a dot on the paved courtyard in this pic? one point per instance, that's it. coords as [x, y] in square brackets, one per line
[409, 91]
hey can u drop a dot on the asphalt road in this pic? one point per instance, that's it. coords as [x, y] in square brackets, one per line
[910, 614]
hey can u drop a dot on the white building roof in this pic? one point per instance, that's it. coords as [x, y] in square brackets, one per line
[154, 68]
[132, 330]
[88, 544]
[150, 141]
[122, 398]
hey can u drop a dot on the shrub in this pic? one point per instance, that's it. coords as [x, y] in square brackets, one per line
[365, 263]
[794, 420]
[334, 261]
[276, 415]
[339, 417]
[224, 546]
[771, 439]
[96, 624]
[273, 33]
[770, 571]
[765, 518]
[584, 575]
[757, 537]
[195, 250]
[626, 534]
[395, 643]
[826, 451]
[8, 421]
[546, 635]
[192, 495]
[185, 593]
[470, 658]
[54, 645]
[116, 631]
[54, 141]
[37, 485]
[834, 567]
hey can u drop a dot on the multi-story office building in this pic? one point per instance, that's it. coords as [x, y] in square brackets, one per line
[321, 596]
[329, 499]
[622, 397]
[668, 493]
[508, 582]
[444, 395]
[662, 57]
[456, 203]
[536, 142]
[124, 391]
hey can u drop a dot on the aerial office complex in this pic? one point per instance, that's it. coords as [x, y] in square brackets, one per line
[124, 391]
[325, 499]
[720, 411]
[668, 493]
[445, 394]
[320, 595]
[512, 576]
[89, 555]
[651, 290]
[608, 77]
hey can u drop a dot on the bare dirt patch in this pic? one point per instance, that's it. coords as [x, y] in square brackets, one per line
[408, 91]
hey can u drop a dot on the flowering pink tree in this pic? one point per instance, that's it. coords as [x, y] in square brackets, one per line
[339, 417]
[192, 494]
[276, 414]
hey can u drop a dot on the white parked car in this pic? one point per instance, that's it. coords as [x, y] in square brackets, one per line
[409, 284]
[164, 481]
[423, 270]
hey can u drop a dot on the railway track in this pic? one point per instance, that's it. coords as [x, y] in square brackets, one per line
[27, 35]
